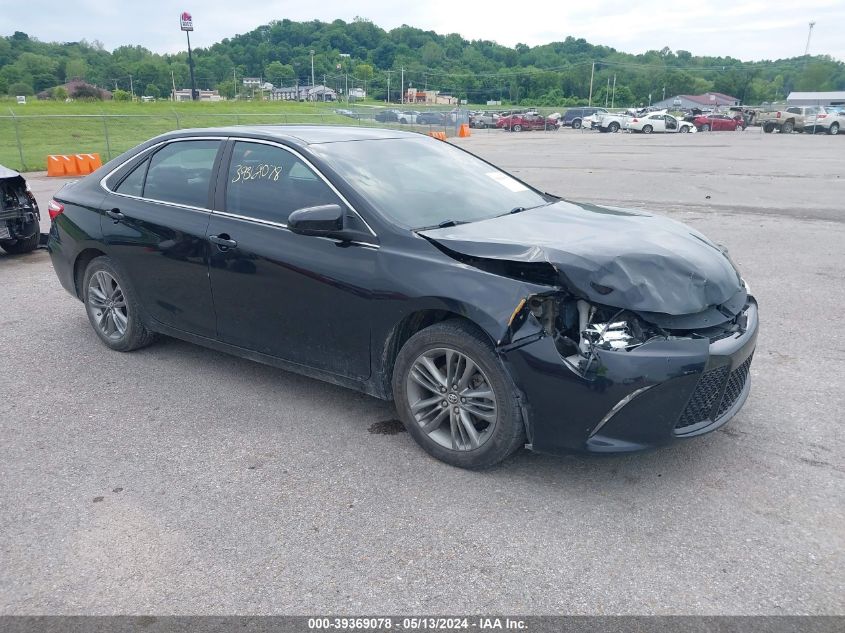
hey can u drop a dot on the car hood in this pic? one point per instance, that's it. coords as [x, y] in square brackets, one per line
[616, 257]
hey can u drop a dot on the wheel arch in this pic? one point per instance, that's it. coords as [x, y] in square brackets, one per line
[81, 262]
[405, 328]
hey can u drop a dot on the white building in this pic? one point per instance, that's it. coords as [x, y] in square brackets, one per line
[184, 94]
[816, 98]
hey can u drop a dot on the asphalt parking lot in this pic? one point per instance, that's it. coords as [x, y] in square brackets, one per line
[176, 480]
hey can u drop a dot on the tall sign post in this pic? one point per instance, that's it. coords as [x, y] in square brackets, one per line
[186, 22]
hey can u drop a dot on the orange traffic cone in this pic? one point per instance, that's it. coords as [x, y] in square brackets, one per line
[463, 132]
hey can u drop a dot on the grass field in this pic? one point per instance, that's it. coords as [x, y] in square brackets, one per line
[28, 133]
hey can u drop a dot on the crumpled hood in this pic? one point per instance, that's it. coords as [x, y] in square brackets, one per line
[650, 263]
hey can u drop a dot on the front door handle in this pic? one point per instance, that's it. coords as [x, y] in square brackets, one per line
[115, 215]
[223, 241]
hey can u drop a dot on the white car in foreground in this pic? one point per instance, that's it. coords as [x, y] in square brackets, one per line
[659, 122]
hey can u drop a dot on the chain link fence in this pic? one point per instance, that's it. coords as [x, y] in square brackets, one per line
[27, 140]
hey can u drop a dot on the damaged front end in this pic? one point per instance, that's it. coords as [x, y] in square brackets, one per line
[606, 379]
[19, 213]
[644, 336]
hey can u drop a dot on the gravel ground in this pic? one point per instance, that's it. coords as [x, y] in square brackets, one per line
[176, 480]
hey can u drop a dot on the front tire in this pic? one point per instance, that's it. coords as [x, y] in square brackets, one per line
[576, 124]
[19, 247]
[768, 128]
[705, 127]
[787, 128]
[452, 362]
[517, 128]
[613, 127]
[112, 307]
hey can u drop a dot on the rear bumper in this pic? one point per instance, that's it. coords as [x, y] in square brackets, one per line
[659, 393]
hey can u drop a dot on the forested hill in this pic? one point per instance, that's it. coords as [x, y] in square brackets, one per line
[555, 74]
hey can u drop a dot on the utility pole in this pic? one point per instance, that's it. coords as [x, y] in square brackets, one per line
[388, 85]
[402, 84]
[131, 88]
[324, 86]
[173, 83]
[592, 72]
[613, 94]
[809, 35]
[312, 69]
[607, 92]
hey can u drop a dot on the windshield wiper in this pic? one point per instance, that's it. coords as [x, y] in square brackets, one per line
[521, 209]
[445, 224]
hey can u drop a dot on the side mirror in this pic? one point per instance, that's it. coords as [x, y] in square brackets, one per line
[325, 220]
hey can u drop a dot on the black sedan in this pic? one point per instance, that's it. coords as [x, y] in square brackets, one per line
[493, 314]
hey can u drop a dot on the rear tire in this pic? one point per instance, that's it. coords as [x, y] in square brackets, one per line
[613, 127]
[517, 128]
[576, 124]
[112, 307]
[705, 127]
[492, 440]
[19, 247]
[768, 128]
[833, 129]
[647, 129]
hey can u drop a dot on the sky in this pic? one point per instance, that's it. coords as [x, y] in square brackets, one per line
[748, 30]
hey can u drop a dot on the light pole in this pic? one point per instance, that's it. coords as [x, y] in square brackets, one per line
[312, 69]
[809, 35]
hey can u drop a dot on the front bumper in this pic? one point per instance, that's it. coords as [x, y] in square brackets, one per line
[661, 392]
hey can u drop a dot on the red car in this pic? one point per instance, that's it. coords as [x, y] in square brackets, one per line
[520, 122]
[718, 123]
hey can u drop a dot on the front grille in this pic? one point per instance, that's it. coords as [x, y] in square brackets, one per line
[736, 383]
[703, 398]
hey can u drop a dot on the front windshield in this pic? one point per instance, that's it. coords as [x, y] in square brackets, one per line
[418, 183]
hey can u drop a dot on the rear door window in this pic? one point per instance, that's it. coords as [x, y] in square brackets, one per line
[180, 173]
[266, 182]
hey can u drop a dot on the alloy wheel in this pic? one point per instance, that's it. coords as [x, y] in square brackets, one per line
[451, 399]
[107, 305]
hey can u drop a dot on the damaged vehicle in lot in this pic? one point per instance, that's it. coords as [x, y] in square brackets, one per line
[494, 315]
[19, 214]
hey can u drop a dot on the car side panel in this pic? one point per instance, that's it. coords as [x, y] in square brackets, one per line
[75, 230]
[300, 298]
[164, 251]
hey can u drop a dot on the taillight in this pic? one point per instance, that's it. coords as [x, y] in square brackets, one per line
[635, 120]
[54, 209]
[777, 116]
[821, 116]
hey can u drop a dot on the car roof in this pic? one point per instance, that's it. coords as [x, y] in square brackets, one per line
[298, 134]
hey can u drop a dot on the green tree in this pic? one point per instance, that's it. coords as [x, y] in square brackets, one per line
[59, 93]
[152, 91]
[228, 89]
[76, 68]
[20, 88]
[278, 73]
[120, 95]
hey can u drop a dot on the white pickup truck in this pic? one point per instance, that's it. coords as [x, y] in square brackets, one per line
[613, 122]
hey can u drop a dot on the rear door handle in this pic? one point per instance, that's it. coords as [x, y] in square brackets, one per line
[115, 215]
[223, 241]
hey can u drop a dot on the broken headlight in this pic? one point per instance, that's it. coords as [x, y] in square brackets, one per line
[616, 335]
